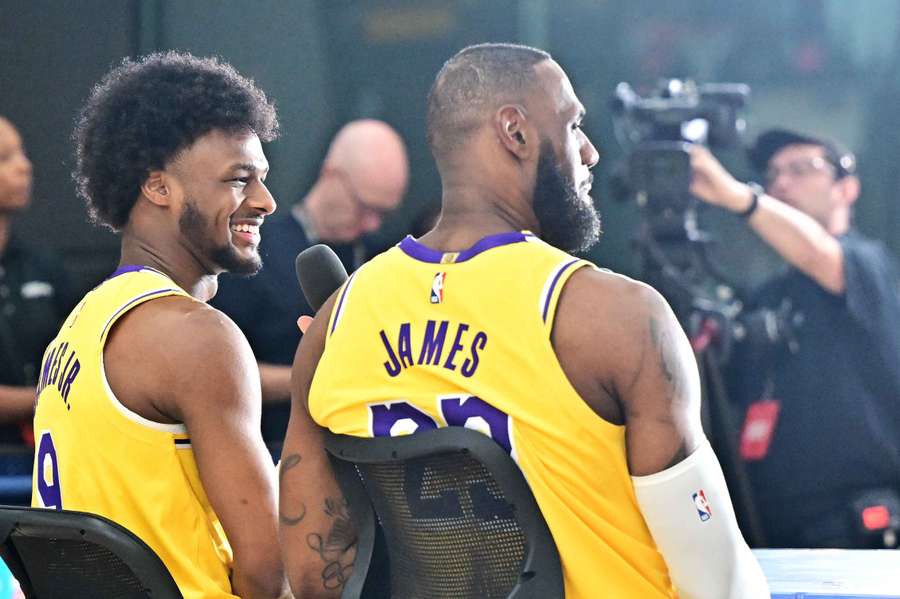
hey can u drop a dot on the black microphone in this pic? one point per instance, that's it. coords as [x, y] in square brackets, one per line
[320, 273]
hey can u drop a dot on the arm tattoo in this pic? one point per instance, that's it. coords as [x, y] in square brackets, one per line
[663, 342]
[338, 548]
[287, 464]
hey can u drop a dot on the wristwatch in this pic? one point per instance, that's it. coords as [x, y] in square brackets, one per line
[757, 191]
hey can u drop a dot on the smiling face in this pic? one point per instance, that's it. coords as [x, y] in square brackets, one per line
[15, 170]
[562, 201]
[220, 197]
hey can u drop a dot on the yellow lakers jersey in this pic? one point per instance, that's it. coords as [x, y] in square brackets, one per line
[419, 339]
[95, 455]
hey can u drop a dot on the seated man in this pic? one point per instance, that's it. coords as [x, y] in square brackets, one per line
[148, 399]
[591, 383]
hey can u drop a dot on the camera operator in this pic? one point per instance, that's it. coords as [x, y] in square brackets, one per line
[822, 416]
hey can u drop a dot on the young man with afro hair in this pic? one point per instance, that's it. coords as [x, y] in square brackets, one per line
[149, 400]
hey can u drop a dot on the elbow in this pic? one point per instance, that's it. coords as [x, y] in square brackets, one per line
[262, 578]
[311, 581]
[824, 263]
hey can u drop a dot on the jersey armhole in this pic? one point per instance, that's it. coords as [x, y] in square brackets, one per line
[553, 287]
[337, 310]
[122, 409]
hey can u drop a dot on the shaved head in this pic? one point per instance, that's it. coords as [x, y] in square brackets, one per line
[476, 81]
[373, 155]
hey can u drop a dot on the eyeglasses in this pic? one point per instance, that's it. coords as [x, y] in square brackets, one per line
[799, 168]
[361, 203]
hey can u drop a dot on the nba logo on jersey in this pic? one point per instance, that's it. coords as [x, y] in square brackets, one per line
[437, 288]
[702, 505]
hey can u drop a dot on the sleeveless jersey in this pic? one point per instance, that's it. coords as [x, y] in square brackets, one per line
[95, 455]
[419, 339]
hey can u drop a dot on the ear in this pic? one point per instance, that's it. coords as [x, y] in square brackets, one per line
[515, 131]
[849, 187]
[157, 188]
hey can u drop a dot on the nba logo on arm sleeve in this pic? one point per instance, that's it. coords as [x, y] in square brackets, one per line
[702, 505]
[437, 288]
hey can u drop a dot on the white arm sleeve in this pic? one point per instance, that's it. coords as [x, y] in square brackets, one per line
[689, 513]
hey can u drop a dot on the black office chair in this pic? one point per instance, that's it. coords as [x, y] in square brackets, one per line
[62, 554]
[457, 515]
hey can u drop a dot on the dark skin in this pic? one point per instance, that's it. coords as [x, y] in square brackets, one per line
[617, 340]
[207, 377]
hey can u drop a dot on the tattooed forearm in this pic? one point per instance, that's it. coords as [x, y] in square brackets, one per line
[287, 464]
[337, 548]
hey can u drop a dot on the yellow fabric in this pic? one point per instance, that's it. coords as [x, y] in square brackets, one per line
[96, 456]
[573, 460]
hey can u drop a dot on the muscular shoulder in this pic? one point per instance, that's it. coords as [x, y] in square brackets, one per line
[604, 303]
[185, 349]
[182, 326]
[603, 328]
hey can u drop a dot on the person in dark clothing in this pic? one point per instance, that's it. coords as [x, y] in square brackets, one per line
[822, 414]
[35, 295]
[363, 177]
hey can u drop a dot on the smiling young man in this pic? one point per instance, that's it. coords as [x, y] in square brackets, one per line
[584, 376]
[149, 400]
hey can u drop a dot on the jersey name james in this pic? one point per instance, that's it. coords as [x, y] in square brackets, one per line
[430, 344]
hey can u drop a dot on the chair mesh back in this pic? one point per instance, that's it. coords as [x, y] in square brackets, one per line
[449, 531]
[63, 568]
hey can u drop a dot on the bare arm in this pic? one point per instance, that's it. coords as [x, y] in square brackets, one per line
[626, 355]
[276, 378]
[207, 379]
[16, 403]
[799, 238]
[276, 382]
[318, 539]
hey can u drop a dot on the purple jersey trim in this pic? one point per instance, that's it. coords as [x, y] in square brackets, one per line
[553, 286]
[126, 268]
[414, 249]
[130, 303]
[337, 314]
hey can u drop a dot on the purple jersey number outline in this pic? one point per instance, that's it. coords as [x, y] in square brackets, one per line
[50, 494]
[469, 411]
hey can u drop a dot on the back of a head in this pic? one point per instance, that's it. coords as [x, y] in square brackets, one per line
[471, 85]
[144, 112]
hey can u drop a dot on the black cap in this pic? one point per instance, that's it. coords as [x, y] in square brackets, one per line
[771, 141]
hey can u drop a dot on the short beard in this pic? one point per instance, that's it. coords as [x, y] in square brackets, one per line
[195, 227]
[566, 221]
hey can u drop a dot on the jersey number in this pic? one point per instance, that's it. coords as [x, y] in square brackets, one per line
[48, 473]
[402, 418]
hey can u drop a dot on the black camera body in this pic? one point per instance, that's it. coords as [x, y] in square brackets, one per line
[656, 132]
[657, 129]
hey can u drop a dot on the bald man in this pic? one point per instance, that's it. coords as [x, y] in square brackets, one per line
[363, 177]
